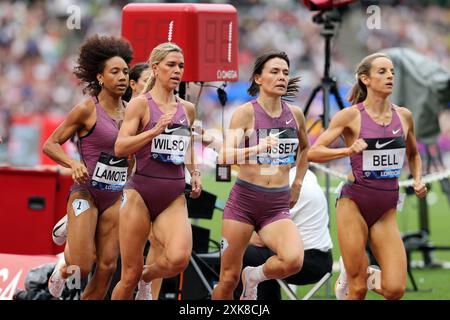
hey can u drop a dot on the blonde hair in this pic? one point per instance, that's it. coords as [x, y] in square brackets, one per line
[158, 54]
[358, 93]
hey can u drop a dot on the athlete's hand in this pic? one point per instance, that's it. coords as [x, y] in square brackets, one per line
[196, 185]
[420, 189]
[163, 122]
[267, 143]
[357, 147]
[79, 172]
[295, 193]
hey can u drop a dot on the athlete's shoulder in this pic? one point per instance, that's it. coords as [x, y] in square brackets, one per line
[242, 116]
[137, 103]
[345, 117]
[245, 109]
[296, 110]
[140, 99]
[189, 106]
[349, 112]
[403, 111]
[84, 108]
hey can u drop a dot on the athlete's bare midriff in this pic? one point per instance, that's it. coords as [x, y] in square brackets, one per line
[268, 176]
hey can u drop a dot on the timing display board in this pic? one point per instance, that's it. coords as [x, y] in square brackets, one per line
[207, 33]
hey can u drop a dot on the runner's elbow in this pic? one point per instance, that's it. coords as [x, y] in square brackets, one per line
[119, 149]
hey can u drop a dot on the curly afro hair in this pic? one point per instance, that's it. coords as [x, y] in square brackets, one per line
[93, 55]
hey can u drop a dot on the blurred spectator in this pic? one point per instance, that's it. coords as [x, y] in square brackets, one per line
[38, 50]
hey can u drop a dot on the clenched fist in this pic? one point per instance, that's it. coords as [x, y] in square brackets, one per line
[357, 147]
[420, 189]
[164, 121]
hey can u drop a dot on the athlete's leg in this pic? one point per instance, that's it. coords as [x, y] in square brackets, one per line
[134, 227]
[82, 218]
[352, 235]
[235, 237]
[107, 244]
[387, 247]
[156, 249]
[282, 237]
[173, 229]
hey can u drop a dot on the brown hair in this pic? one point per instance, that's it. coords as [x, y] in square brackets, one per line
[158, 54]
[93, 55]
[358, 93]
[292, 87]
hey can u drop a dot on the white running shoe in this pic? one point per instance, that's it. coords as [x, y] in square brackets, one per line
[56, 282]
[144, 291]
[341, 285]
[59, 233]
[249, 290]
[374, 279]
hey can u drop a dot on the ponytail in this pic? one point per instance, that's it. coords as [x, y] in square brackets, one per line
[149, 84]
[358, 93]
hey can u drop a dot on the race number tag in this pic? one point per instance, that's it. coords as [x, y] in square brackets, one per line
[110, 173]
[285, 153]
[79, 206]
[383, 158]
[171, 145]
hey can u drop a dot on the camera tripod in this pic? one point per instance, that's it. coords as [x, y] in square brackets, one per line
[328, 86]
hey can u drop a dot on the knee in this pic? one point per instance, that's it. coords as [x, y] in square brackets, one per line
[229, 280]
[393, 293]
[131, 275]
[292, 265]
[178, 261]
[106, 269]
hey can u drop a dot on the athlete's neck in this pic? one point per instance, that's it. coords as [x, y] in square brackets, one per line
[109, 102]
[377, 105]
[270, 104]
[162, 95]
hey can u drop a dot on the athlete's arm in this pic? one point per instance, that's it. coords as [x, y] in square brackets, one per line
[240, 122]
[131, 164]
[412, 153]
[75, 121]
[128, 142]
[191, 164]
[320, 152]
[302, 156]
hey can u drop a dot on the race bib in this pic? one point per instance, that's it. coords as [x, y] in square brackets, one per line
[110, 173]
[171, 145]
[285, 152]
[383, 158]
